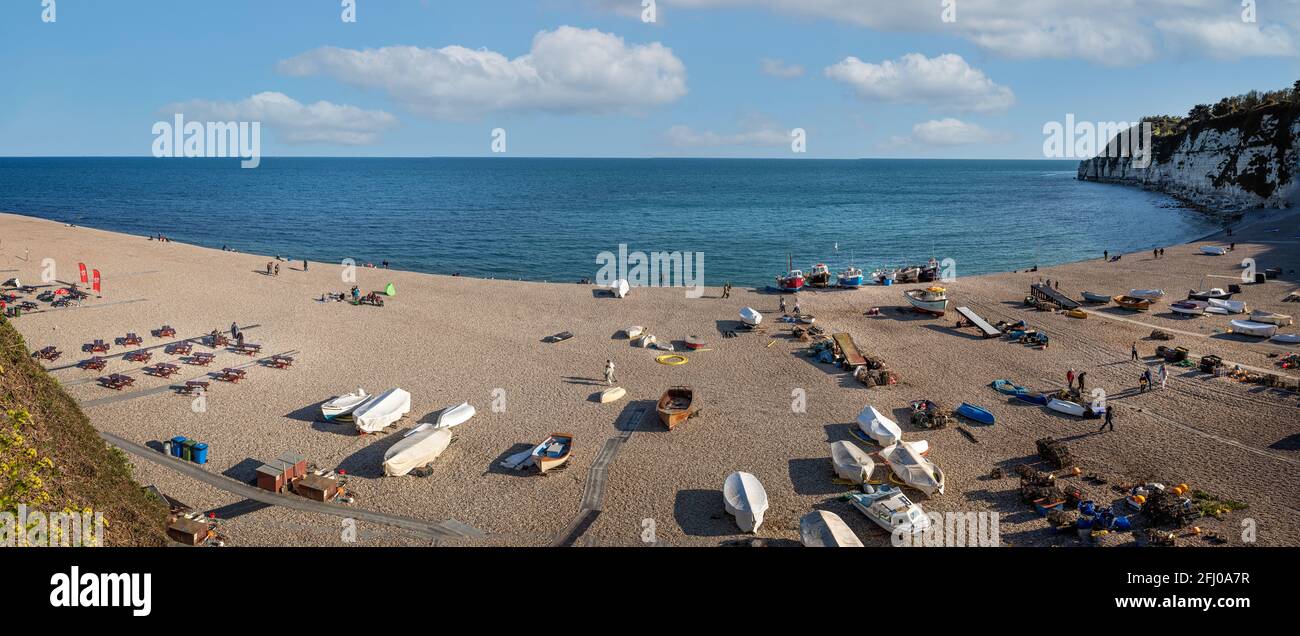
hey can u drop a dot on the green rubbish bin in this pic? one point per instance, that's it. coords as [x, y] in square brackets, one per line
[187, 449]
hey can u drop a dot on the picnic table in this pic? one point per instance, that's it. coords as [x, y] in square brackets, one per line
[232, 375]
[163, 370]
[131, 339]
[48, 353]
[248, 349]
[95, 363]
[117, 381]
[98, 346]
[139, 356]
[218, 340]
[181, 348]
[202, 359]
[166, 331]
[193, 386]
[280, 362]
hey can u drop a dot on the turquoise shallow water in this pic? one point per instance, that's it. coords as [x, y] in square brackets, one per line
[547, 219]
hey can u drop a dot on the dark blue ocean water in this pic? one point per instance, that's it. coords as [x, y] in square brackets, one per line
[546, 219]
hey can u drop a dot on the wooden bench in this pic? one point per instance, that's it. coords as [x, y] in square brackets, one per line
[94, 364]
[218, 340]
[193, 386]
[165, 331]
[280, 362]
[163, 370]
[180, 348]
[139, 356]
[231, 375]
[248, 349]
[117, 381]
[48, 353]
[98, 346]
[131, 339]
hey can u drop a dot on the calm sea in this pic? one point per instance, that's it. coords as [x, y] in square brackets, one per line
[547, 219]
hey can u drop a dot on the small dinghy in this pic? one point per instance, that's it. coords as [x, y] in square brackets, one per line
[634, 332]
[1286, 338]
[750, 316]
[975, 413]
[1214, 293]
[745, 499]
[1074, 408]
[553, 452]
[1096, 298]
[1008, 387]
[890, 509]
[824, 529]
[913, 468]
[695, 342]
[1230, 306]
[1032, 398]
[1252, 328]
[343, 405]
[1189, 307]
[878, 427]
[456, 415]
[1152, 295]
[612, 395]
[1281, 320]
[1213, 250]
[851, 463]
[418, 447]
[379, 413]
[677, 405]
[1132, 303]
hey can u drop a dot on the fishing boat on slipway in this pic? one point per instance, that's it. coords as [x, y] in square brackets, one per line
[931, 300]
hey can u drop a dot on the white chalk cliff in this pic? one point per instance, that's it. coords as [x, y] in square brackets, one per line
[1229, 164]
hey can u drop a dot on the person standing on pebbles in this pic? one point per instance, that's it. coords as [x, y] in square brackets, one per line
[609, 372]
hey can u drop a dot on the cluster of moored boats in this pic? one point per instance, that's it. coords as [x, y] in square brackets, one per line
[821, 277]
[1217, 301]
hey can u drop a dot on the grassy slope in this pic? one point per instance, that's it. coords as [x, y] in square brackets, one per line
[86, 472]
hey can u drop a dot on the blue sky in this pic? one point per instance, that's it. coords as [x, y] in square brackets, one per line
[598, 81]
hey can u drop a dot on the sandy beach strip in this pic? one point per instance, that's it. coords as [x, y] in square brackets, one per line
[453, 339]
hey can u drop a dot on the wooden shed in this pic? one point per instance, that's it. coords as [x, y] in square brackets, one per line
[187, 531]
[317, 487]
[295, 464]
[270, 477]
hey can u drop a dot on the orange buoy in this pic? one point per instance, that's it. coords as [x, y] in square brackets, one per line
[1139, 499]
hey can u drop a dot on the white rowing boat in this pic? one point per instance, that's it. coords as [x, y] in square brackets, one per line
[1149, 294]
[1281, 320]
[1189, 307]
[620, 288]
[421, 445]
[342, 405]
[612, 395]
[1286, 338]
[851, 462]
[1229, 306]
[1214, 250]
[824, 529]
[1252, 328]
[880, 428]
[456, 415]
[750, 316]
[382, 411]
[913, 468]
[745, 499]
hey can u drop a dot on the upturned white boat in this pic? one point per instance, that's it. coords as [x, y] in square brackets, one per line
[878, 427]
[1214, 250]
[620, 288]
[1067, 407]
[343, 405]
[1281, 320]
[1252, 328]
[456, 415]
[420, 446]
[745, 499]
[750, 316]
[824, 529]
[1189, 307]
[383, 410]
[851, 462]
[1286, 338]
[634, 332]
[890, 509]
[931, 300]
[913, 468]
[612, 395]
[1230, 306]
[1149, 294]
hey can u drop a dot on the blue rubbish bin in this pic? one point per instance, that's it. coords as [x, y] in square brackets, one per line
[887, 282]
[199, 454]
[176, 445]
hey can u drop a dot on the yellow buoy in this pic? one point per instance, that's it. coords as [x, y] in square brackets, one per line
[1139, 499]
[672, 359]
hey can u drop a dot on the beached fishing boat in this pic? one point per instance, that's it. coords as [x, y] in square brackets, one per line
[975, 413]
[819, 276]
[745, 499]
[1214, 293]
[1132, 303]
[1229, 306]
[878, 427]
[677, 405]
[1252, 328]
[884, 276]
[612, 395]
[553, 452]
[456, 415]
[1189, 307]
[913, 468]
[341, 406]
[1281, 320]
[1214, 250]
[418, 447]
[1008, 387]
[931, 300]
[1096, 298]
[851, 463]
[1286, 338]
[793, 280]
[750, 316]
[850, 278]
[1074, 408]
[825, 529]
[889, 508]
[1152, 295]
[383, 410]
[1032, 398]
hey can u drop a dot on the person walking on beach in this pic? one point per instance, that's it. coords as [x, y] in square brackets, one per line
[782, 310]
[277, 269]
[1110, 419]
[1069, 378]
[798, 310]
[1105, 255]
[1164, 375]
[268, 268]
[609, 372]
[234, 330]
[1082, 375]
[304, 264]
[1135, 350]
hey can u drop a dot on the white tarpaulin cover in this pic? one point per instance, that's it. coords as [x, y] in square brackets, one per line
[416, 449]
[385, 409]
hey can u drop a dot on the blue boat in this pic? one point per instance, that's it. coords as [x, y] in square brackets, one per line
[850, 278]
[1032, 398]
[1008, 387]
[972, 412]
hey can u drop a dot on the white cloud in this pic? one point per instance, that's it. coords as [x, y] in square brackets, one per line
[778, 68]
[566, 70]
[761, 136]
[294, 122]
[946, 81]
[953, 132]
[1110, 32]
[1227, 39]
